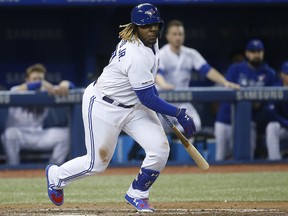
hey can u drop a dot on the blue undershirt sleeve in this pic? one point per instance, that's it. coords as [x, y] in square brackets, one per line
[149, 98]
[71, 85]
[34, 85]
[161, 71]
[155, 91]
[204, 69]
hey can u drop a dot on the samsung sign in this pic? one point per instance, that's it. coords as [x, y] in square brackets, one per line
[260, 95]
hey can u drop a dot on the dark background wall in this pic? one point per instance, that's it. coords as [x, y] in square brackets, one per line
[76, 42]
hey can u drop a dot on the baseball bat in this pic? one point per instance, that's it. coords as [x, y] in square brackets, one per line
[192, 151]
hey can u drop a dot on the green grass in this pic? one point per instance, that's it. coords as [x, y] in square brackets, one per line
[264, 186]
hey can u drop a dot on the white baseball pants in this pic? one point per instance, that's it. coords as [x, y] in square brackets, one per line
[274, 133]
[103, 123]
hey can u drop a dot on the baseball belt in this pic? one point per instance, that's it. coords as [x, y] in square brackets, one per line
[109, 100]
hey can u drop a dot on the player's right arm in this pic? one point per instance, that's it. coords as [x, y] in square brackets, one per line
[139, 69]
[149, 98]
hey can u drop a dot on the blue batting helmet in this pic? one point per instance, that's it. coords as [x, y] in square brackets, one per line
[144, 14]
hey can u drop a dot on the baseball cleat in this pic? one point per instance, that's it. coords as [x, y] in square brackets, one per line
[141, 205]
[56, 196]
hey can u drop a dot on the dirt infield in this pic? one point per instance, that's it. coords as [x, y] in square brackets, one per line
[180, 208]
[168, 170]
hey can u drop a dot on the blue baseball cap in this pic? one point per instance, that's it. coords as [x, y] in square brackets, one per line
[284, 68]
[255, 45]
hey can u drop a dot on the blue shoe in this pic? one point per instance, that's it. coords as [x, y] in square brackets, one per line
[56, 196]
[141, 205]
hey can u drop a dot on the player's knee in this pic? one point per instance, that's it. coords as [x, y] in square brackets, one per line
[272, 127]
[11, 134]
[163, 151]
[163, 158]
[157, 162]
[158, 159]
[63, 133]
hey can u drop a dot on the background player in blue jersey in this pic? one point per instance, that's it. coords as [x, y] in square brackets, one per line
[277, 129]
[252, 72]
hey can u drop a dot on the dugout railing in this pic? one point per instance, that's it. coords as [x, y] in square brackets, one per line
[240, 100]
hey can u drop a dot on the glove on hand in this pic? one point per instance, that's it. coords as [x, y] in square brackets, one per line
[186, 122]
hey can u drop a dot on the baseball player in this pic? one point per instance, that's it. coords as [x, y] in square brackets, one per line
[252, 72]
[277, 129]
[124, 98]
[176, 65]
[24, 125]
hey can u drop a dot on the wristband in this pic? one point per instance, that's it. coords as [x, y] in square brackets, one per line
[34, 85]
[71, 85]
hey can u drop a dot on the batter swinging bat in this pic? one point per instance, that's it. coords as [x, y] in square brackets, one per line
[193, 152]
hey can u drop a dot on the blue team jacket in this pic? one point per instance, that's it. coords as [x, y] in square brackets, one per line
[245, 76]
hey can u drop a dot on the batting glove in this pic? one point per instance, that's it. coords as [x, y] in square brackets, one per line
[186, 122]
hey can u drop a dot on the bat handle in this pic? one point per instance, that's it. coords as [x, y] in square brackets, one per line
[168, 120]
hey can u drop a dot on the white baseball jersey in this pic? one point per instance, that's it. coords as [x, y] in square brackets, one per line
[26, 118]
[128, 71]
[177, 68]
[24, 130]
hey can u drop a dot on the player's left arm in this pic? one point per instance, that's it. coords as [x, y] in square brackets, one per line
[211, 73]
[217, 77]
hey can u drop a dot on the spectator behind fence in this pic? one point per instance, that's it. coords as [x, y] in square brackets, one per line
[177, 63]
[277, 129]
[24, 125]
[252, 72]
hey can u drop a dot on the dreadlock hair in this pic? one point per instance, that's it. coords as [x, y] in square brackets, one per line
[129, 32]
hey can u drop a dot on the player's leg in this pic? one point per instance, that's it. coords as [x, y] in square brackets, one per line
[283, 136]
[273, 140]
[223, 137]
[57, 140]
[100, 140]
[101, 134]
[253, 139]
[100, 144]
[12, 140]
[147, 130]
